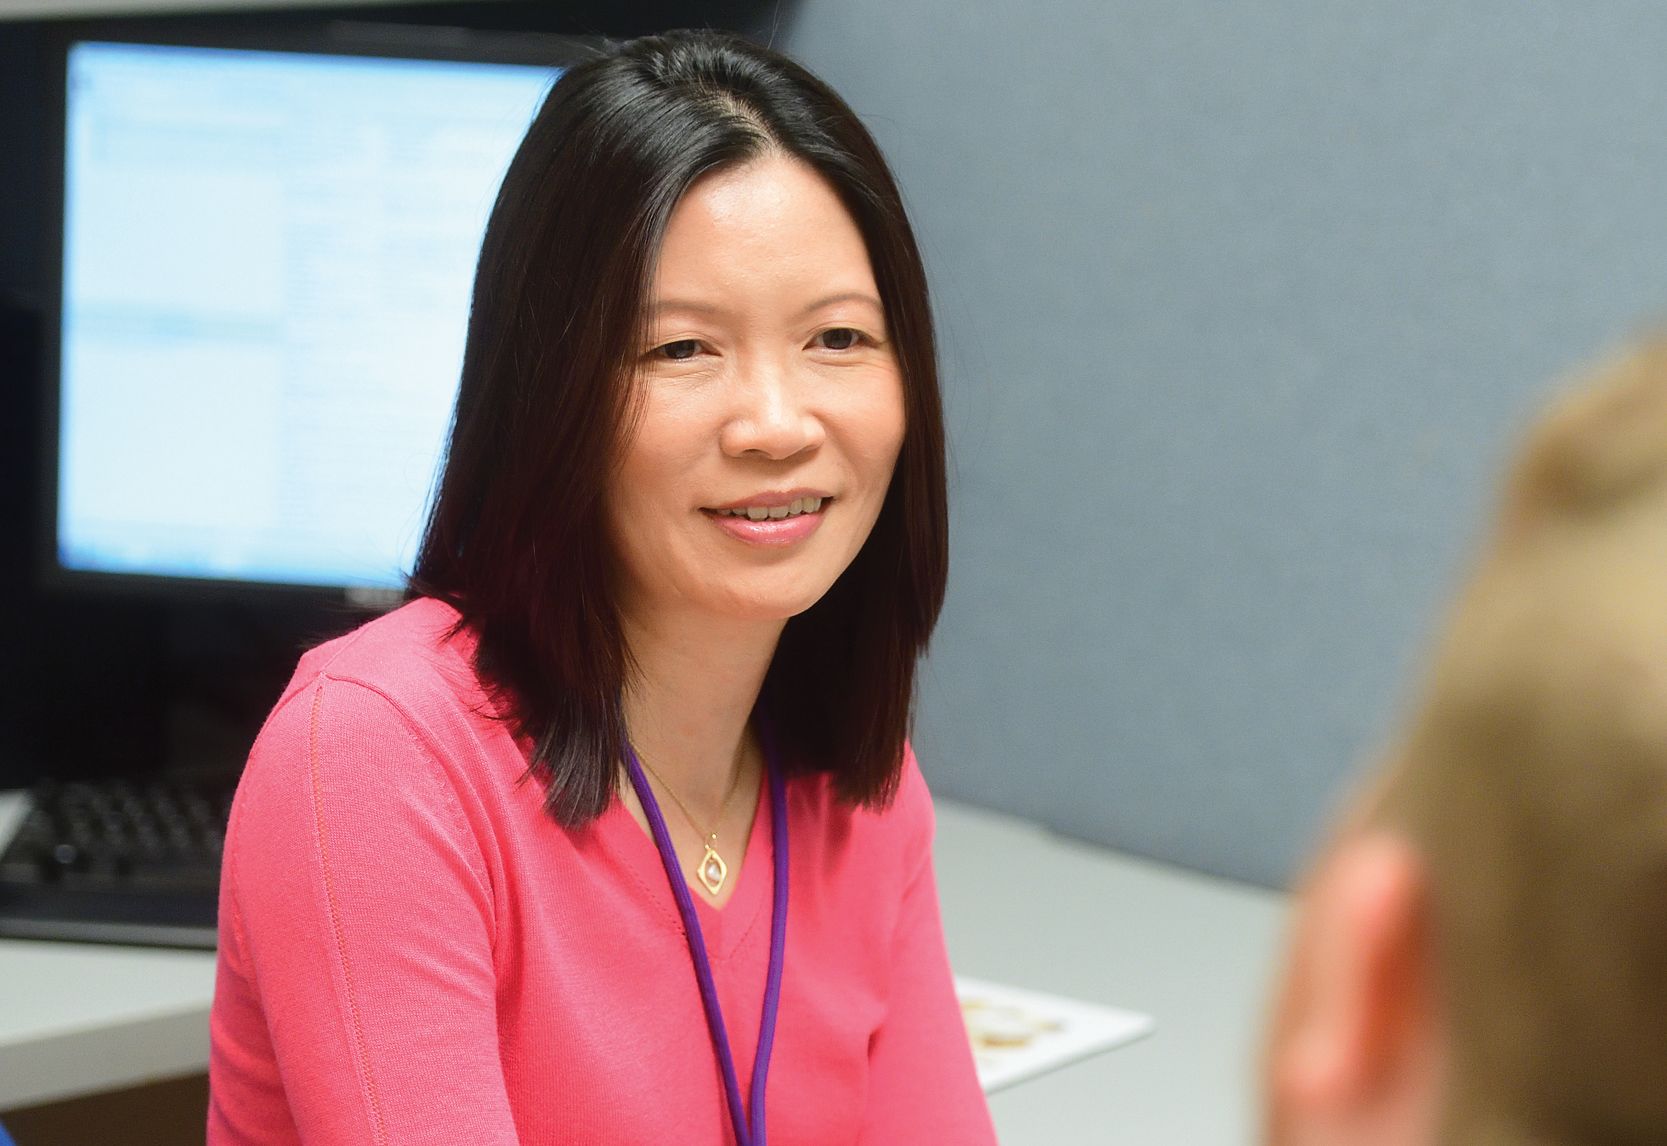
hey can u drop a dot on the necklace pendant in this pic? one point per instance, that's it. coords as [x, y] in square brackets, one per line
[712, 871]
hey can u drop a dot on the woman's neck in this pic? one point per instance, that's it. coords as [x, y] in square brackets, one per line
[693, 686]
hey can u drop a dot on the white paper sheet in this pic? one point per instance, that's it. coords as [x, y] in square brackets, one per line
[1017, 1034]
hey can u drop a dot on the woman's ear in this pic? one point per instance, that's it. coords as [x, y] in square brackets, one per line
[1358, 1027]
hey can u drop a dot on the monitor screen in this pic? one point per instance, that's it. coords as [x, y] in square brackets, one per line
[267, 261]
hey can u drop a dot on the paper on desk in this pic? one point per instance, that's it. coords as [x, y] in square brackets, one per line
[1017, 1034]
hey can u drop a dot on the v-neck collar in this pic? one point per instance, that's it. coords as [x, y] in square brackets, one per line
[723, 928]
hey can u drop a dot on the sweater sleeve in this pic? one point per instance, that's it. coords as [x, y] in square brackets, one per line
[356, 992]
[923, 1086]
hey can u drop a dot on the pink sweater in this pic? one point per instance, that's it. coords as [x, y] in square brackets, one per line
[411, 951]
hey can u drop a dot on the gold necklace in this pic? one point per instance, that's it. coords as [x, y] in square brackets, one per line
[712, 870]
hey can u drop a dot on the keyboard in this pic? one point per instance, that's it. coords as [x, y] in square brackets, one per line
[117, 861]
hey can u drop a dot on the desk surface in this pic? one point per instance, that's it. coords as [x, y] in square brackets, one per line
[1020, 906]
[1026, 907]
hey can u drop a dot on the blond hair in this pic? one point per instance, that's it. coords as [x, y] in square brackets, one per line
[1534, 779]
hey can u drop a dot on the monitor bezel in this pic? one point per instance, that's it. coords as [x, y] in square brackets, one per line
[334, 37]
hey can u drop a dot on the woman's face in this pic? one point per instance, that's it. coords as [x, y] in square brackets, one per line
[770, 402]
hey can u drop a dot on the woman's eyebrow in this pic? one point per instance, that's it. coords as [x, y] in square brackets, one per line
[687, 306]
[714, 310]
[844, 296]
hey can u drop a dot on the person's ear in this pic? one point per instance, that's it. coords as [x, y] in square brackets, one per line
[1358, 1022]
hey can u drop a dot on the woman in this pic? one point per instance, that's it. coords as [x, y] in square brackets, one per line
[688, 543]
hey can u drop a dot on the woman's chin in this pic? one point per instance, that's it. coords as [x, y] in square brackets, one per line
[777, 607]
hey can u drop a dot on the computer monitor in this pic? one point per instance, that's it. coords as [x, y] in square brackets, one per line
[267, 252]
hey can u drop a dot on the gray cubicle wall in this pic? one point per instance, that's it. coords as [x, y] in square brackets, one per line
[1241, 305]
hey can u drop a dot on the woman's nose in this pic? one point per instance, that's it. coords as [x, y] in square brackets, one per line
[771, 415]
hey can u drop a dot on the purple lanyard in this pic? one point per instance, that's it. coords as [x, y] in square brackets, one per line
[697, 948]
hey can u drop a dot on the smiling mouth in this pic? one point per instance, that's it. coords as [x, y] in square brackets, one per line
[795, 508]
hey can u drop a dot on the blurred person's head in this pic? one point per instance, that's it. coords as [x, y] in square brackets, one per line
[1480, 955]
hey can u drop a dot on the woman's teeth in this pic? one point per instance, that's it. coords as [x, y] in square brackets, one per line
[760, 513]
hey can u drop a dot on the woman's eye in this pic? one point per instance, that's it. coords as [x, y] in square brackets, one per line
[680, 351]
[839, 338]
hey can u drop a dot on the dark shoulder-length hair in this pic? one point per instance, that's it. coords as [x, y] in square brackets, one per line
[516, 539]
